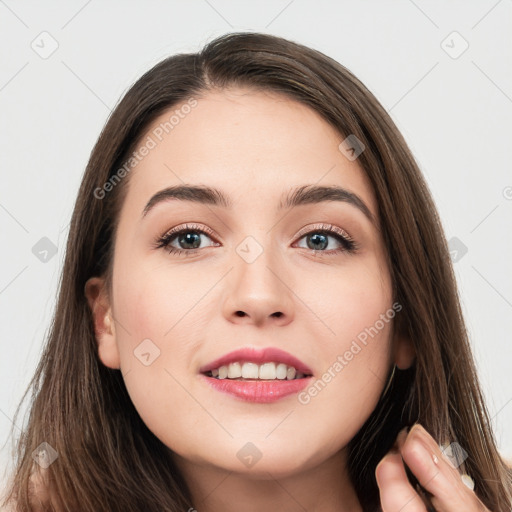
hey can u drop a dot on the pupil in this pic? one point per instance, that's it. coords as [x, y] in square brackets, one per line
[317, 238]
[191, 238]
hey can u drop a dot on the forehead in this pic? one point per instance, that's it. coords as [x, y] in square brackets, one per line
[251, 144]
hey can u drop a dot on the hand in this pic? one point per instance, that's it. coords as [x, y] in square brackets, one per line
[432, 469]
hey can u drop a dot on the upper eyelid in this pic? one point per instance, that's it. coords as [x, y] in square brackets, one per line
[304, 231]
[189, 227]
[324, 227]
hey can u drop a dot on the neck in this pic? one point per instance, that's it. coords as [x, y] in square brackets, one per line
[323, 488]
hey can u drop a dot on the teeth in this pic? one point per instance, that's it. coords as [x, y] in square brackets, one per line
[281, 371]
[250, 371]
[234, 371]
[268, 371]
[265, 371]
[290, 373]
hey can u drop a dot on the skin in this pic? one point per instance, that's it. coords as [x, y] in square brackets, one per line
[254, 146]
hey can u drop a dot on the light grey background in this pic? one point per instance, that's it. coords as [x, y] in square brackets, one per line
[454, 109]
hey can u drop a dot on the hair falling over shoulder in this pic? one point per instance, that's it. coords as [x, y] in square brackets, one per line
[107, 459]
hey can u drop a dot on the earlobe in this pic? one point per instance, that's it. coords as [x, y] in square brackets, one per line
[104, 326]
[404, 352]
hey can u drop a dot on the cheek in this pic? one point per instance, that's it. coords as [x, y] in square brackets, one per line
[357, 311]
[156, 302]
[351, 299]
[156, 333]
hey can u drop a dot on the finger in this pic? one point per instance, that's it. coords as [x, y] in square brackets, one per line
[424, 458]
[396, 493]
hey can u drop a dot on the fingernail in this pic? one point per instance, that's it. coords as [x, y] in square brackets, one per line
[401, 437]
[413, 426]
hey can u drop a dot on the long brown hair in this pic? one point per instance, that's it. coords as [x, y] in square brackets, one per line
[108, 460]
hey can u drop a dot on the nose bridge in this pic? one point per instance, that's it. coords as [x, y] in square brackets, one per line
[256, 263]
[257, 286]
[258, 248]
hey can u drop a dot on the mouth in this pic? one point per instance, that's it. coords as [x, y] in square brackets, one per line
[251, 363]
[257, 375]
[251, 371]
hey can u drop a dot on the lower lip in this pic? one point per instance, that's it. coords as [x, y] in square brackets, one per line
[260, 391]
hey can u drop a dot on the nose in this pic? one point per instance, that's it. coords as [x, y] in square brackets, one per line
[259, 292]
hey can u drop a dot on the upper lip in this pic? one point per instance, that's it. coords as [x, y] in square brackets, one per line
[259, 356]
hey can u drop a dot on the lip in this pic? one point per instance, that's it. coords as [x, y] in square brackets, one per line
[263, 391]
[258, 356]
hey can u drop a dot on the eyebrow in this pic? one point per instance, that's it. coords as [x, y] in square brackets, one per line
[303, 195]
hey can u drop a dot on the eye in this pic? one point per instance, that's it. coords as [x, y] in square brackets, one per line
[188, 239]
[188, 236]
[317, 239]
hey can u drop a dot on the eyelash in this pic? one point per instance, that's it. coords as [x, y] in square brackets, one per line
[349, 245]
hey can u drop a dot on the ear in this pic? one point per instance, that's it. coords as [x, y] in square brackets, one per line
[403, 352]
[104, 328]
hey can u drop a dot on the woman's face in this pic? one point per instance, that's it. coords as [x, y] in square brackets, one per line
[263, 275]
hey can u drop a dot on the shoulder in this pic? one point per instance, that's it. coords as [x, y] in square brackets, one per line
[39, 493]
[39, 489]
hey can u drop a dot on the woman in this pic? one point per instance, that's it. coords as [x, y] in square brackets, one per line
[257, 308]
